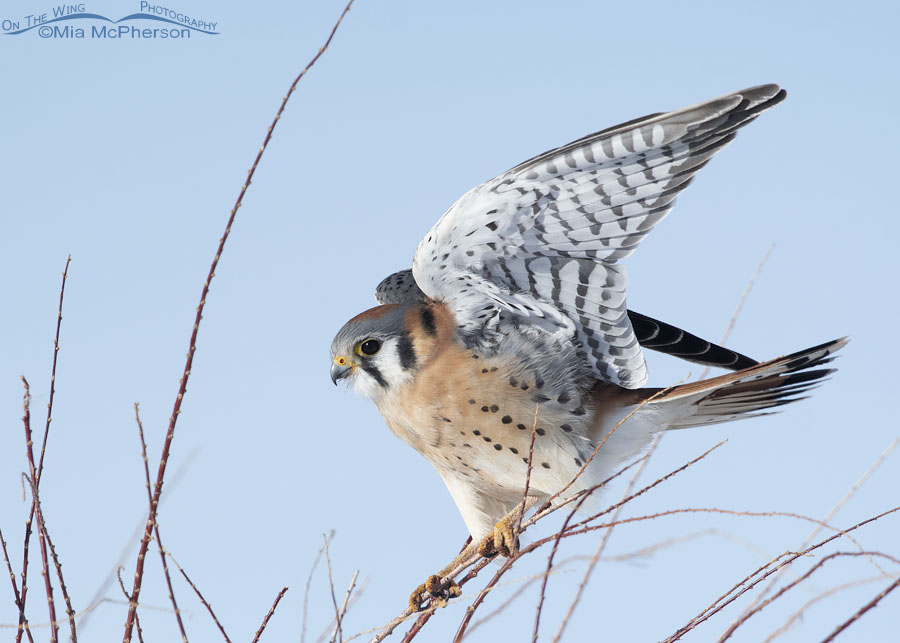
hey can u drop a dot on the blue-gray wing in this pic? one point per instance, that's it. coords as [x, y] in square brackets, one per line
[538, 246]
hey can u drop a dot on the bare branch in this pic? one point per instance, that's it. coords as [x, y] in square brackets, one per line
[277, 599]
[159, 543]
[862, 610]
[18, 598]
[137, 620]
[337, 613]
[600, 549]
[45, 571]
[308, 583]
[763, 572]
[192, 344]
[343, 610]
[756, 610]
[823, 595]
[837, 507]
[206, 604]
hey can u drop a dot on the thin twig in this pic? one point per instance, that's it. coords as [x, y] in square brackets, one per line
[743, 300]
[606, 534]
[823, 595]
[45, 570]
[781, 592]
[648, 487]
[270, 612]
[175, 479]
[505, 604]
[337, 613]
[862, 610]
[70, 613]
[360, 588]
[192, 344]
[206, 604]
[62, 291]
[36, 474]
[530, 467]
[15, 586]
[137, 620]
[545, 580]
[308, 583]
[834, 510]
[606, 437]
[343, 610]
[92, 607]
[159, 543]
[763, 572]
[44, 533]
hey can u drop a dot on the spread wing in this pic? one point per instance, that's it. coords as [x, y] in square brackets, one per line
[538, 246]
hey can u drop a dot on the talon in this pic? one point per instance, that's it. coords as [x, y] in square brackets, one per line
[435, 588]
[433, 585]
[501, 540]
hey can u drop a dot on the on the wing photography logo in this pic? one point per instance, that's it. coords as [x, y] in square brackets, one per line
[75, 22]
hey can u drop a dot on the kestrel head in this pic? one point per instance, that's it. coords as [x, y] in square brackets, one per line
[374, 351]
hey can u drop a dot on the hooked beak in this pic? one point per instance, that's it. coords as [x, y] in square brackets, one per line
[341, 367]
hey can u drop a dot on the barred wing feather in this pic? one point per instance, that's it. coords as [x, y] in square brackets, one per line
[539, 245]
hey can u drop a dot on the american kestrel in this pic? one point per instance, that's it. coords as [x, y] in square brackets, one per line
[514, 316]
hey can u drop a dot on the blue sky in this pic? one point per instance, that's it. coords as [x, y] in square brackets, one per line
[128, 154]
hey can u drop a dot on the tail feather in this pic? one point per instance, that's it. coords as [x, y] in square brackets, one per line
[750, 392]
[671, 340]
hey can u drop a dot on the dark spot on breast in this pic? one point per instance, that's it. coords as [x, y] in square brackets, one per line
[563, 398]
[486, 439]
[466, 444]
[538, 383]
[513, 449]
[476, 432]
[493, 369]
[540, 399]
[471, 401]
[521, 427]
[513, 381]
[506, 419]
[579, 411]
[494, 408]
[498, 447]
[524, 386]
[540, 431]
[566, 428]
[491, 226]
[525, 460]
[474, 356]
[485, 409]
[578, 462]
[446, 419]
[484, 370]
[545, 465]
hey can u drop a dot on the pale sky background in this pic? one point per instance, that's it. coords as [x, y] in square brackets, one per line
[129, 154]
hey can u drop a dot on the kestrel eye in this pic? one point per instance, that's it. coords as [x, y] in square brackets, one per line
[370, 347]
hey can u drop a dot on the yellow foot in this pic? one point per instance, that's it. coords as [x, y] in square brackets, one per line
[502, 540]
[439, 594]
